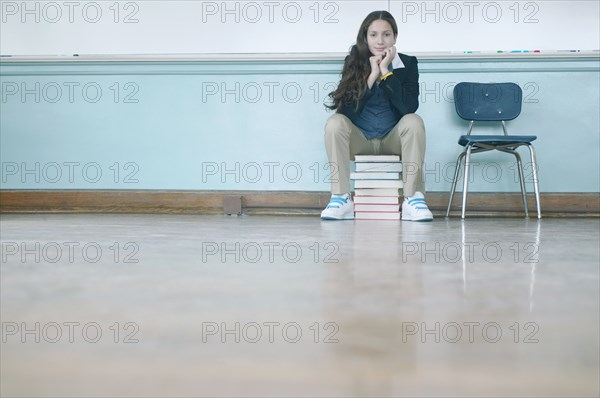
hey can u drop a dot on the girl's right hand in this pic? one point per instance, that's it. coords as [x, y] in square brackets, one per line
[375, 60]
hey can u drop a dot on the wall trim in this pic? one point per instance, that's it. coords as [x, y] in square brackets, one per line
[98, 66]
[287, 57]
[572, 204]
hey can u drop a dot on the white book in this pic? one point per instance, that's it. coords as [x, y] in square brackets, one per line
[379, 200]
[377, 158]
[375, 166]
[374, 176]
[376, 207]
[373, 215]
[378, 192]
[378, 184]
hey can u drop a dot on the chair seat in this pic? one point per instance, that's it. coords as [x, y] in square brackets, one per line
[496, 140]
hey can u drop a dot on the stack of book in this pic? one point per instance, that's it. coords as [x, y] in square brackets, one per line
[377, 187]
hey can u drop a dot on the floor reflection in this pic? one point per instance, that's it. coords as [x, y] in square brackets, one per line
[480, 307]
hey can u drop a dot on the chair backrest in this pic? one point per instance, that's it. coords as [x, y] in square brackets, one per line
[488, 101]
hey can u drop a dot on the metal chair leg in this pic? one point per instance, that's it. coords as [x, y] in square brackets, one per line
[522, 182]
[535, 180]
[454, 181]
[466, 181]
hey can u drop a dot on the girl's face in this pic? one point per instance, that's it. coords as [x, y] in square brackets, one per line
[380, 36]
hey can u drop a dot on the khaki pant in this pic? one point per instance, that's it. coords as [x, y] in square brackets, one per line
[343, 140]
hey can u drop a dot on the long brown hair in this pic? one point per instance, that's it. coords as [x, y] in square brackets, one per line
[357, 67]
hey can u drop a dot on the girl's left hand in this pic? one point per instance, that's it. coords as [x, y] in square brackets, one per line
[389, 55]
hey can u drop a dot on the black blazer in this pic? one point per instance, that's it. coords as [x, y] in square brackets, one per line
[401, 89]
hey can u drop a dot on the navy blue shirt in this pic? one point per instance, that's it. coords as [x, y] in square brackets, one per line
[378, 111]
[377, 118]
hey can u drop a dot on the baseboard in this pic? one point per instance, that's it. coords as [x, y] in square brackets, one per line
[573, 204]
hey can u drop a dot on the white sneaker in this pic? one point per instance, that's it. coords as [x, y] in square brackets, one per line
[340, 207]
[414, 208]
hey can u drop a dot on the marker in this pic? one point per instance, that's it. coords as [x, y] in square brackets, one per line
[499, 51]
[516, 51]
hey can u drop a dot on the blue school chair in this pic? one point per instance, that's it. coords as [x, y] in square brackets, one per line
[491, 102]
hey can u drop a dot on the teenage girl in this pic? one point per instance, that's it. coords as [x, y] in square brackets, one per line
[375, 103]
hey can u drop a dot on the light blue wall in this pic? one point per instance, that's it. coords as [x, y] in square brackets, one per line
[258, 125]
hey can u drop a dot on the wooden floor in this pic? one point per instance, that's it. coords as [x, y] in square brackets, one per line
[212, 305]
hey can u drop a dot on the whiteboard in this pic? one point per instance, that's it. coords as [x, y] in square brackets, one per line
[301, 26]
